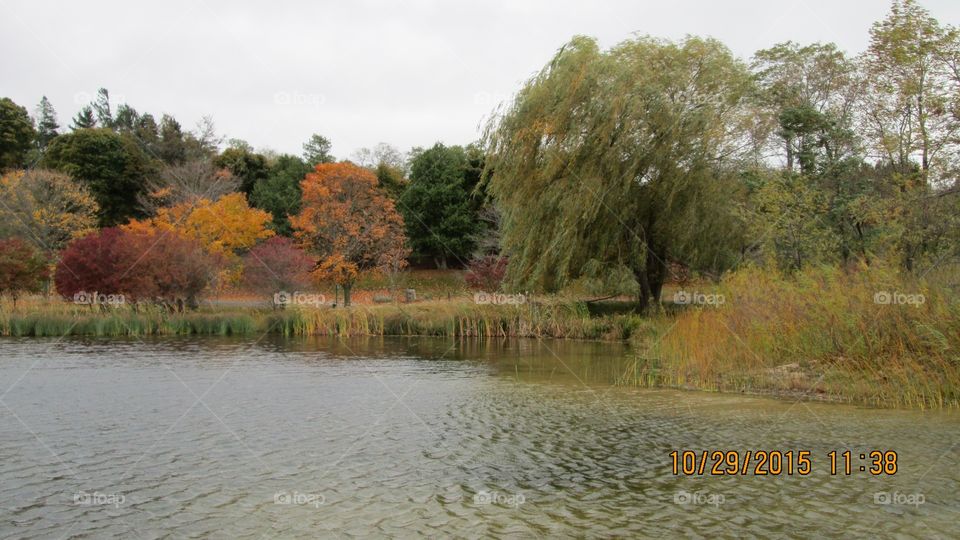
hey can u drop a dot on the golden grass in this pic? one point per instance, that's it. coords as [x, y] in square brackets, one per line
[820, 335]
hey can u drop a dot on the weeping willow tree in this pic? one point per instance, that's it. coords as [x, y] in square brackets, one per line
[625, 158]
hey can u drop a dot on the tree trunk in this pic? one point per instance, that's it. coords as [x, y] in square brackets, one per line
[346, 295]
[644, 298]
[656, 275]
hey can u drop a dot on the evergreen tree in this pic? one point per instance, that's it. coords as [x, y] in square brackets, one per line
[16, 134]
[173, 150]
[279, 193]
[102, 108]
[127, 118]
[438, 207]
[317, 150]
[84, 119]
[47, 124]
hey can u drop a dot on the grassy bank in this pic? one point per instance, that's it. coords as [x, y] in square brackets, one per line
[868, 337]
[440, 318]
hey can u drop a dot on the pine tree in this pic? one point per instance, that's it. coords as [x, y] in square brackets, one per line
[84, 119]
[317, 150]
[47, 124]
[102, 107]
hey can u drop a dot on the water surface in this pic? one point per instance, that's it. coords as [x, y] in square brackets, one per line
[235, 438]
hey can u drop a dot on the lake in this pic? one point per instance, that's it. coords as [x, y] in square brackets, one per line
[285, 438]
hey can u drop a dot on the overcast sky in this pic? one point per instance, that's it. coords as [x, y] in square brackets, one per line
[408, 72]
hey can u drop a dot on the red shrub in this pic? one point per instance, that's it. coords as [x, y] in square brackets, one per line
[154, 266]
[486, 273]
[166, 267]
[277, 264]
[91, 264]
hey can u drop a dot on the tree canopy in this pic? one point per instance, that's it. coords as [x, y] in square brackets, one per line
[619, 158]
[439, 205]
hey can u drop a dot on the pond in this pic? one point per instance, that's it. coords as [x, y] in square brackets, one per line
[243, 438]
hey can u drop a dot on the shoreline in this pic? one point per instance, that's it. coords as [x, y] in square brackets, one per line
[706, 349]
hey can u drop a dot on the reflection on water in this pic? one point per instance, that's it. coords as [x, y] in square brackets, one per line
[401, 437]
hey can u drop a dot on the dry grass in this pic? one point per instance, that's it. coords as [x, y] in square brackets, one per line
[819, 334]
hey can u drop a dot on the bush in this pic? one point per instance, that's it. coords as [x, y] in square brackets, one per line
[486, 273]
[161, 267]
[22, 268]
[276, 265]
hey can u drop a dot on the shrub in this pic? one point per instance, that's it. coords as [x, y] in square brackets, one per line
[486, 273]
[90, 264]
[276, 265]
[162, 267]
[22, 268]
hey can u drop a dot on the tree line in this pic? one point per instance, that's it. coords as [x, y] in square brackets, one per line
[657, 155]
[121, 175]
[624, 167]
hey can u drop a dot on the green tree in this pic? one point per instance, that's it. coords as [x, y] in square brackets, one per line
[84, 119]
[279, 193]
[112, 166]
[910, 117]
[438, 205]
[148, 133]
[245, 164]
[624, 158]
[806, 97]
[16, 134]
[317, 150]
[47, 124]
[911, 98]
[171, 147]
[127, 118]
[101, 107]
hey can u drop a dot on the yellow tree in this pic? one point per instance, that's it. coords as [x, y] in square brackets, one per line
[45, 207]
[224, 227]
[349, 223]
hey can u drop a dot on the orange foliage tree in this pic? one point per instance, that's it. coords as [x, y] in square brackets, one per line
[349, 223]
[224, 227]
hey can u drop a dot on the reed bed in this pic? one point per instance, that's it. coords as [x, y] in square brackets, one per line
[870, 336]
[46, 318]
